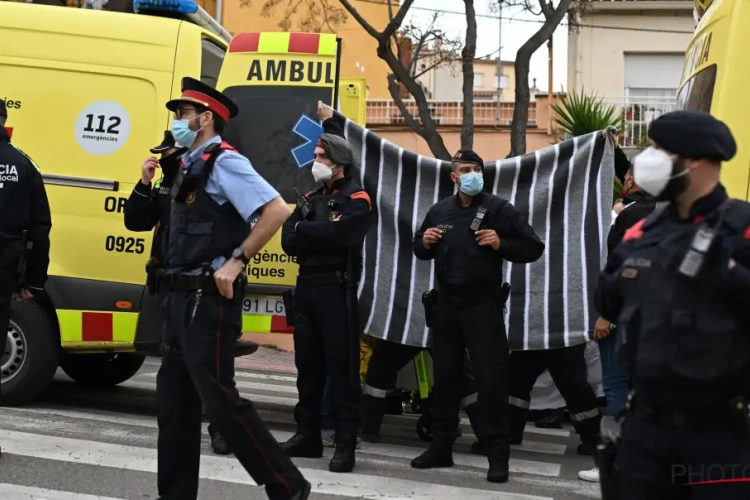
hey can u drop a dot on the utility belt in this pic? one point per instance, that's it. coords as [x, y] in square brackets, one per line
[321, 279]
[204, 282]
[734, 412]
[462, 295]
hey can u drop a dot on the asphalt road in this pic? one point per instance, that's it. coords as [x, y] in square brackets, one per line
[80, 443]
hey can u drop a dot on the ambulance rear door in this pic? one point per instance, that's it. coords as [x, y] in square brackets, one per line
[277, 79]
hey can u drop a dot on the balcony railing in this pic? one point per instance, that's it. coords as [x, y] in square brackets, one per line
[385, 112]
[637, 114]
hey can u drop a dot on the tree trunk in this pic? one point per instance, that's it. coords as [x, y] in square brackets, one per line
[518, 126]
[521, 107]
[467, 55]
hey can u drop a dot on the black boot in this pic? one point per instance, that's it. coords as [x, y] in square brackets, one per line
[219, 445]
[301, 446]
[437, 455]
[498, 458]
[588, 430]
[552, 419]
[498, 472]
[343, 458]
[372, 411]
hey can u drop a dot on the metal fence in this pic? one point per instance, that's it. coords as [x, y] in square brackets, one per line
[637, 113]
[385, 112]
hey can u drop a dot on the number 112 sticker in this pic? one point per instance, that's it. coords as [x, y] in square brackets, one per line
[102, 128]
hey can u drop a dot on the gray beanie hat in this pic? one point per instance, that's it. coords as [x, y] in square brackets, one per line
[337, 149]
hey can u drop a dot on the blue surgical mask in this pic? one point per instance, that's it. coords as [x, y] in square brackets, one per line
[472, 183]
[183, 136]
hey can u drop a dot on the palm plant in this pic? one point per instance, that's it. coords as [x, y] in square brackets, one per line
[579, 114]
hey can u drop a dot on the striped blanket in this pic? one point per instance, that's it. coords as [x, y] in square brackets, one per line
[564, 190]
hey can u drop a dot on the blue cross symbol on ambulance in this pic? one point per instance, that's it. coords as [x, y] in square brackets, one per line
[309, 130]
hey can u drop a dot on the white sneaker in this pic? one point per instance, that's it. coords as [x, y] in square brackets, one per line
[591, 476]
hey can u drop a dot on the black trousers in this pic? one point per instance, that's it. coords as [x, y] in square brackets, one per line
[197, 369]
[657, 461]
[475, 325]
[386, 361]
[567, 366]
[323, 347]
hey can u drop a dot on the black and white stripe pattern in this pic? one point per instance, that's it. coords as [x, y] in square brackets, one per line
[564, 190]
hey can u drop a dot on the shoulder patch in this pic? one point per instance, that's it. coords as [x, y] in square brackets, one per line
[361, 195]
[635, 231]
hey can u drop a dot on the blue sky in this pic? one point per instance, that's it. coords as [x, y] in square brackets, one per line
[517, 27]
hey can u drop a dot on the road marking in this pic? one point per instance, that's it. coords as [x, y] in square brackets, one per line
[255, 398]
[371, 487]
[244, 374]
[547, 432]
[15, 492]
[385, 450]
[258, 386]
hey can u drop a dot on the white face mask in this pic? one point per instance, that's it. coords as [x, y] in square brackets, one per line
[652, 171]
[321, 172]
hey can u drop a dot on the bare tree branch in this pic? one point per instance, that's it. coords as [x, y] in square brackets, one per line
[393, 88]
[523, 59]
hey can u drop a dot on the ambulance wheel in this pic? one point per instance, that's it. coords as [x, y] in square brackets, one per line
[424, 426]
[102, 370]
[29, 357]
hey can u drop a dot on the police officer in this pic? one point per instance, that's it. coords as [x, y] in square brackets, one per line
[146, 208]
[25, 210]
[326, 236]
[469, 235]
[677, 289]
[214, 197]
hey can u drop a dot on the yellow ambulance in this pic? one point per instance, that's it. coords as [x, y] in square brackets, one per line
[86, 92]
[714, 79]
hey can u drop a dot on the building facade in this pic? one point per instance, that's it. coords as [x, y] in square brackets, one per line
[631, 53]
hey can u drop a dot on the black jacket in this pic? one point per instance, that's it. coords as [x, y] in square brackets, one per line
[150, 206]
[622, 164]
[637, 206]
[24, 206]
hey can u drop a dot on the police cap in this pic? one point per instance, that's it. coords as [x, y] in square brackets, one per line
[337, 149]
[166, 143]
[3, 109]
[467, 156]
[693, 134]
[197, 92]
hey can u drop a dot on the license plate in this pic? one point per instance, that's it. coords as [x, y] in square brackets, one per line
[265, 306]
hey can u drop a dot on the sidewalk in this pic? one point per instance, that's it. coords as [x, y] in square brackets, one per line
[267, 359]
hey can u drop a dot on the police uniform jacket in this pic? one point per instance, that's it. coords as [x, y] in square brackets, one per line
[149, 207]
[23, 206]
[338, 223]
[636, 207]
[459, 259]
[684, 340]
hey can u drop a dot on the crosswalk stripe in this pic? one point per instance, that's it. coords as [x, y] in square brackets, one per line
[527, 446]
[255, 375]
[225, 469]
[268, 399]
[521, 466]
[16, 492]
